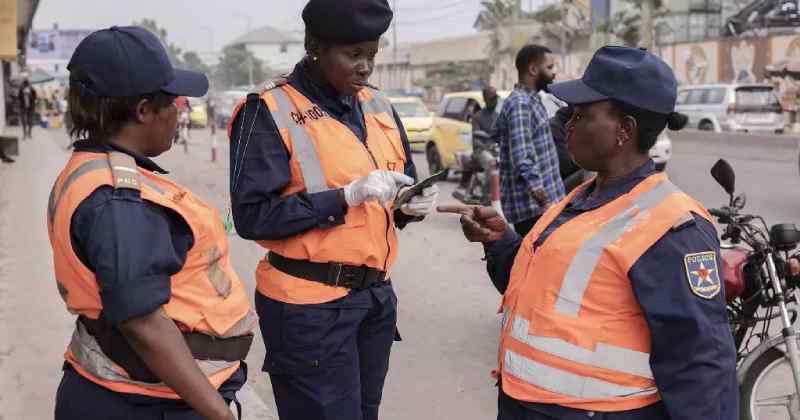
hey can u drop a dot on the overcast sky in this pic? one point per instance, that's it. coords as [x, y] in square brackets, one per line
[193, 24]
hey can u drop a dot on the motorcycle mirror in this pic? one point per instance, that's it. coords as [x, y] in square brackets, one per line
[740, 201]
[724, 175]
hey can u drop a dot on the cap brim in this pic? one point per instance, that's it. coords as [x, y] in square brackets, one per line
[187, 83]
[575, 92]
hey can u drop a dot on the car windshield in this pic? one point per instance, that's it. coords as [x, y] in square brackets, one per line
[410, 109]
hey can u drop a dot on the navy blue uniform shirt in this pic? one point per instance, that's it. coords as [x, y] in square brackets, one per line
[260, 168]
[133, 246]
[693, 356]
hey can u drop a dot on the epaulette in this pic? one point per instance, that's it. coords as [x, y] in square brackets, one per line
[276, 83]
[124, 171]
[686, 220]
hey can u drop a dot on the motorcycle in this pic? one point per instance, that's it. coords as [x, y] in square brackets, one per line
[759, 290]
[478, 190]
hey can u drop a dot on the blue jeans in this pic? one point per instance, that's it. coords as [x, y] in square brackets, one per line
[329, 361]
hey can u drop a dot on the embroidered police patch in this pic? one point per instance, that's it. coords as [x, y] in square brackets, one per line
[702, 274]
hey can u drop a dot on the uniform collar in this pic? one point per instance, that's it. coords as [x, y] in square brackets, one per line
[96, 146]
[320, 92]
[584, 201]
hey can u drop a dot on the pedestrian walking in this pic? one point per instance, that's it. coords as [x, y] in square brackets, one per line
[163, 322]
[613, 306]
[529, 170]
[317, 160]
[27, 107]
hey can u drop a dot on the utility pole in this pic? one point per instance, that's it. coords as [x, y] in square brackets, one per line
[647, 24]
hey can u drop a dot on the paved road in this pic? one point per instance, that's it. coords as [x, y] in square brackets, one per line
[447, 304]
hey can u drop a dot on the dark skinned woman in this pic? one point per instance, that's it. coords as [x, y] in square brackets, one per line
[163, 320]
[317, 161]
[612, 305]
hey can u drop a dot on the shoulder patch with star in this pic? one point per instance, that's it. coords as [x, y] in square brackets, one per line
[702, 274]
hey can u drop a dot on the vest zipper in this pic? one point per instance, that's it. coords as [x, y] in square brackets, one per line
[386, 211]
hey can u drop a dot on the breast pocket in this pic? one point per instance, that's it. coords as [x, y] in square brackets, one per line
[390, 144]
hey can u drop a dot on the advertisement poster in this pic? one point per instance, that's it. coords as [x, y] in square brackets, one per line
[54, 44]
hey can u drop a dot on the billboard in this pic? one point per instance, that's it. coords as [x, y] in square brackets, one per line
[54, 44]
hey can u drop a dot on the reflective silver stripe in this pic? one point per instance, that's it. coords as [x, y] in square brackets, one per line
[377, 105]
[585, 260]
[152, 185]
[219, 279]
[301, 141]
[566, 383]
[606, 356]
[244, 326]
[92, 165]
[91, 358]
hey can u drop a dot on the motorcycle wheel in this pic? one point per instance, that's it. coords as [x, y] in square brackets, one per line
[778, 405]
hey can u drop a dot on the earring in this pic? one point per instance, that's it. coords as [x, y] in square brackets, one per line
[314, 58]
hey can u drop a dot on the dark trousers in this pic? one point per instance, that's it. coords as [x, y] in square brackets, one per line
[511, 409]
[525, 226]
[26, 117]
[329, 361]
[81, 399]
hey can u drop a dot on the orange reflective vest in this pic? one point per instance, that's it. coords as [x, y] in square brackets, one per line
[326, 155]
[573, 332]
[207, 296]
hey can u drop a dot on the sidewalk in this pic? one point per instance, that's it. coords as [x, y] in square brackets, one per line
[34, 325]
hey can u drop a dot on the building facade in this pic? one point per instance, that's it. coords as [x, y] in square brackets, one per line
[279, 50]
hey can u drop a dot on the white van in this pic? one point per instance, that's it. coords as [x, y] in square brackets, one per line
[732, 107]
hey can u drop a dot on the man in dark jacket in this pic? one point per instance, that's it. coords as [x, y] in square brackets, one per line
[27, 106]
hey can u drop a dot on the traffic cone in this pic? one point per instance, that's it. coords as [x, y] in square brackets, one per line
[494, 190]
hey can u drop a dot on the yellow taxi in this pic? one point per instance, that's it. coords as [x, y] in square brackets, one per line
[416, 119]
[198, 117]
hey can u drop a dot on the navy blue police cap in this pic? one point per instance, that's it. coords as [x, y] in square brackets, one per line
[125, 61]
[347, 21]
[630, 75]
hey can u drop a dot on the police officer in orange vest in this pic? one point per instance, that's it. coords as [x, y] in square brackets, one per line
[163, 322]
[612, 305]
[317, 160]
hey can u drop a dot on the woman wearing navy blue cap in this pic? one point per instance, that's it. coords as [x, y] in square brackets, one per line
[613, 306]
[163, 321]
[317, 161]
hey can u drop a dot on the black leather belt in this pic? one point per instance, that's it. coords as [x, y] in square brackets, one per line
[202, 346]
[332, 274]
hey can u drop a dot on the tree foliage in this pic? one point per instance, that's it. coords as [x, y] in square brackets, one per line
[235, 65]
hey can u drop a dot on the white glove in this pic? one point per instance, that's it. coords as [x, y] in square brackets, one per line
[423, 204]
[380, 185]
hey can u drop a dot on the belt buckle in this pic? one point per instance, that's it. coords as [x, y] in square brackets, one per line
[336, 272]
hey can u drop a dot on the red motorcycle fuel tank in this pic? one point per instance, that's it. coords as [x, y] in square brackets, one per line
[733, 261]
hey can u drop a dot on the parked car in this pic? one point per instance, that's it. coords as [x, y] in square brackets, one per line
[198, 117]
[732, 107]
[226, 101]
[452, 130]
[417, 120]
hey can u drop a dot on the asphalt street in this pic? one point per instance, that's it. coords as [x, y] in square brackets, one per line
[448, 307]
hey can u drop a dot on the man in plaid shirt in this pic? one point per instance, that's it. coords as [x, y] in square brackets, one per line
[530, 179]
